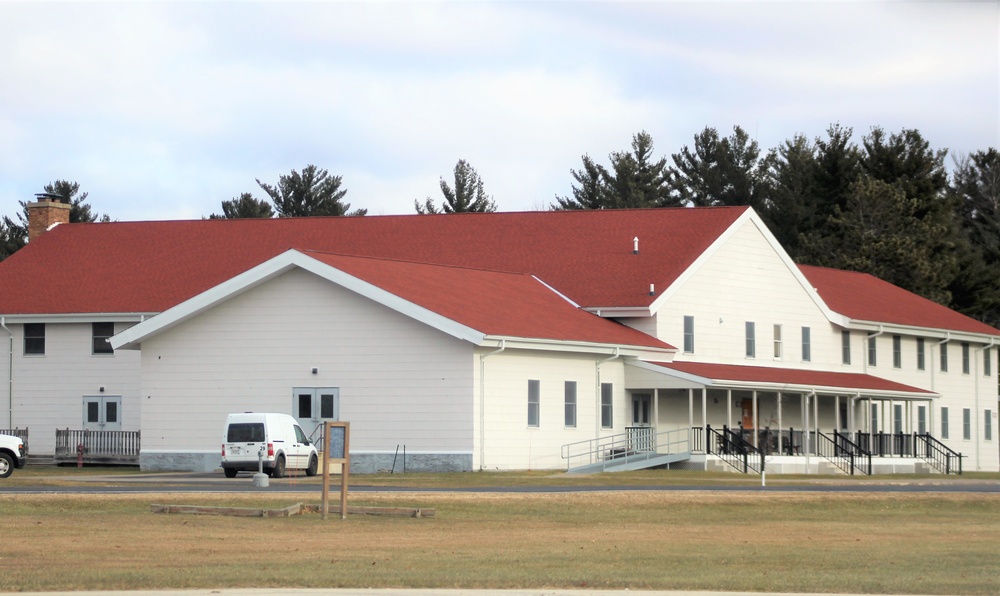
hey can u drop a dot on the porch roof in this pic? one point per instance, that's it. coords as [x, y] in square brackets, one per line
[732, 376]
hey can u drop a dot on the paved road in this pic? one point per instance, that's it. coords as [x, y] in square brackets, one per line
[212, 482]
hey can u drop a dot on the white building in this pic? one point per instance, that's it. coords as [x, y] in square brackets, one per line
[539, 340]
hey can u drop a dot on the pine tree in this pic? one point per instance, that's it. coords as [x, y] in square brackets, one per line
[468, 195]
[245, 206]
[313, 192]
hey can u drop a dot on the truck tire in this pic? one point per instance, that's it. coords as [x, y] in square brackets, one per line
[278, 471]
[313, 466]
[230, 472]
[6, 465]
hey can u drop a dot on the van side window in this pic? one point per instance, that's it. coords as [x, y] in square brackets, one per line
[246, 432]
[300, 436]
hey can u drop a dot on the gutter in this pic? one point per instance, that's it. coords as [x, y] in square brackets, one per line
[975, 383]
[10, 374]
[482, 402]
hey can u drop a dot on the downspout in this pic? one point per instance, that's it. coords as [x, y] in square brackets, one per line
[975, 383]
[868, 338]
[482, 402]
[10, 374]
[597, 368]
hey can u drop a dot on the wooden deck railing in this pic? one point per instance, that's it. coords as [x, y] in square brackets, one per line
[99, 446]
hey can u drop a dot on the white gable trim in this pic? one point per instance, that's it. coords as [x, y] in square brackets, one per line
[669, 372]
[750, 216]
[270, 269]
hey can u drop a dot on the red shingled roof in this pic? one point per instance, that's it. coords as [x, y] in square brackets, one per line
[848, 382]
[864, 297]
[494, 303]
[151, 266]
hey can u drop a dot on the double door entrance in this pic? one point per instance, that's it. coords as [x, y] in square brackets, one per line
[314, 406]
[103, 412]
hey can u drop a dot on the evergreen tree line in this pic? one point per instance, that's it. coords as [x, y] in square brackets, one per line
[887, 206]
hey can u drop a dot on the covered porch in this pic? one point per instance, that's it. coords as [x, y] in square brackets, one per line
[799, 421]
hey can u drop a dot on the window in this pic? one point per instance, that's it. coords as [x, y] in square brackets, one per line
[872, 356]
[806, 344]
[845, 347]
[944, 423]
[897, 351]
[606, 412]
[944, 357]
[34, 339]
[987, 362]
[874, 419]
[920, 353]
[897, 418]
[751, 340]
[988, 425]
[966, 423]
[777, 341]
[965, 358]
[570, 401]
[101, 334]
[534, 395]
[922, 420]
[689, 334]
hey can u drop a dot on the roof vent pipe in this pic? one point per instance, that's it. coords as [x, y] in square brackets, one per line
[635, 245]
[652, 291]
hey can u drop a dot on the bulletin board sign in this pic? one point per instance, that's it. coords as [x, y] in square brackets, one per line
[336, 450]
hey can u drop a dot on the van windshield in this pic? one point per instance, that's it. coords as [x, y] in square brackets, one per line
[246, 432]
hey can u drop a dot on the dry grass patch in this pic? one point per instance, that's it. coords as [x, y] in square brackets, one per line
[867, 543]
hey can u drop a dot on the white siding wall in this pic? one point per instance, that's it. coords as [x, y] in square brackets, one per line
[401, 382]
[509, 442]
[48, 390]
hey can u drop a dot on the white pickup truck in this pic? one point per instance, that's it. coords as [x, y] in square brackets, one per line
[11, 455]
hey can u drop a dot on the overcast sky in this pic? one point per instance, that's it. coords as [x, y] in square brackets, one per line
[161, 110]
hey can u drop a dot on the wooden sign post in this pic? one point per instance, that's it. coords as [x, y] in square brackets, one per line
[337, 450]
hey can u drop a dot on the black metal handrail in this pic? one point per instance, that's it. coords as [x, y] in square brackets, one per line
[862, 460]
[937, 454]
[733, 449]
[827, 448]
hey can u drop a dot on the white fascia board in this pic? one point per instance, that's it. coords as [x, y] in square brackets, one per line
[614, 312]
[928, 332]
[669, 372]
[823, 389]
[102, 317]
[554, 345]
[270, 269]
[750, 216]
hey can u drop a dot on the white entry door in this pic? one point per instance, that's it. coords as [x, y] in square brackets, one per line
[313, 406]
[102, 412]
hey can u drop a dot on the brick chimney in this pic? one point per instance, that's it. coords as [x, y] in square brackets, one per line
[46, 212]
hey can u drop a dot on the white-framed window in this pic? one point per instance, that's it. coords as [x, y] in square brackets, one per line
[988, 425]
[100, 335]
[534, 401]
[874, 418]
[944, 422]
[806, 344]
[897, 418]
[966, 423]
[897, 351]
[688, 334]
[987, 362]
[944, 357]
[607, 397]
[777, 341]
[570, 404]
[920, 353]
[872, 353]
[922, 419]
[965, 358]
[34, 339]
[845, 346]
[751, 339]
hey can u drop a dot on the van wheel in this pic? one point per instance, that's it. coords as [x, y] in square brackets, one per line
[313, 465]
[230, 472]
[278, 471]
[6, 465]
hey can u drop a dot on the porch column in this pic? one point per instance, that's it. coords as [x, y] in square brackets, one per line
[816, 418]
[755, 419]
[930, 418]
[704, 406]
[656, 408]
[836, 412]
[729, 408]
[779, 422]
[690, 408]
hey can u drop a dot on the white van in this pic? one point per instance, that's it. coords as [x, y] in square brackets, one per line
[278, 436]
